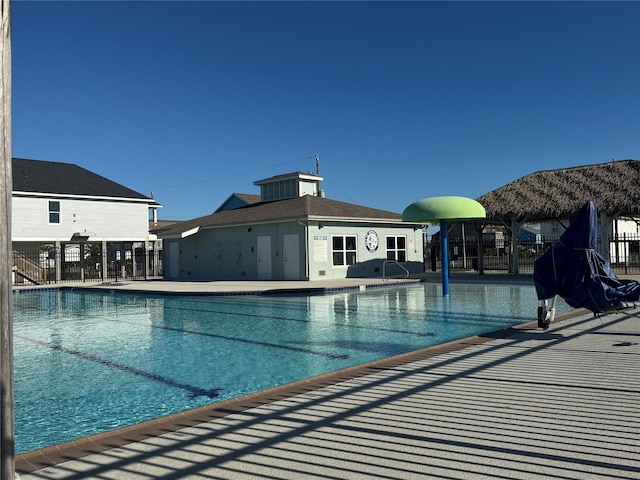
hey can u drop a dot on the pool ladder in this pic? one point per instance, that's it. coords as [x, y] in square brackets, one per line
[384, 269]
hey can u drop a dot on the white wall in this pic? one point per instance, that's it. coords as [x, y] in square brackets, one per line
[104, 220]
[628, 227]
[554, 229]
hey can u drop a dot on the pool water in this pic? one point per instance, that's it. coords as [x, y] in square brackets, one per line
[86, 362]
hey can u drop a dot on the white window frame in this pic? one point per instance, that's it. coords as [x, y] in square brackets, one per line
[394, 251]
[346, 253]
[51, 211]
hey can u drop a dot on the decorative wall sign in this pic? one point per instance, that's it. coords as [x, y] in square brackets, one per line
[371, 241]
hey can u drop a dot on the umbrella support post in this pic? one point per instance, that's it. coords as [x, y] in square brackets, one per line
[444, 257]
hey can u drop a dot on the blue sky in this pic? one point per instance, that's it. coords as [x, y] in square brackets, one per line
[194, 101]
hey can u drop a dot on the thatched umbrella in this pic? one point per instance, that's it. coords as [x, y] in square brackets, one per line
[558, 194]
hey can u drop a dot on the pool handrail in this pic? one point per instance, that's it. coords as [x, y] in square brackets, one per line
[384, 269]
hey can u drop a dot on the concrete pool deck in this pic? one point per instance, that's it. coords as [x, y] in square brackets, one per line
[249, 287]
[519, 403]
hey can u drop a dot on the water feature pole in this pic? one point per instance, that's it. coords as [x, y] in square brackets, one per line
[7, 452]
[434, 209]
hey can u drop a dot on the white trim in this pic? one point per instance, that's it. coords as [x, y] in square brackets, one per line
[91, 239]
[361, 221]
[83, 197]
[290, 176]
[357, 221]
[344, 250]
[188, 233]
[396, 250]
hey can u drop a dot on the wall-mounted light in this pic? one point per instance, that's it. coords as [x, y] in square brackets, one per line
[320, 226]
[249, 229]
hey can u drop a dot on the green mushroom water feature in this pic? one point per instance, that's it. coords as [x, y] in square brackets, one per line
[443, 209]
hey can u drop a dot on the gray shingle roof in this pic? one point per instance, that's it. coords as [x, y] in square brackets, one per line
[282, 210]
[39, 176]
[248, 197]
[559, 194]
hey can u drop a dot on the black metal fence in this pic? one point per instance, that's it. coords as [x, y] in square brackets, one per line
[85, 263]
[624, 254]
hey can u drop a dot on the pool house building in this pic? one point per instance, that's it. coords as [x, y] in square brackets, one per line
[291, 232]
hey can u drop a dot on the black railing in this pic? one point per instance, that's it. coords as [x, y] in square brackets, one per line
[84, 263]
[624, 254]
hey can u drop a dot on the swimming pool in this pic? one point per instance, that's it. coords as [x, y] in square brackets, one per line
[87, 362]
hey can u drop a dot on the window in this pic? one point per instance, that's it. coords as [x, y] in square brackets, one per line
[397, 248]
[54, 212]
[344, 250]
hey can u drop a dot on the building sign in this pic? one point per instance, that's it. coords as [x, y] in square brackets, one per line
[320, 249]
[371, 241]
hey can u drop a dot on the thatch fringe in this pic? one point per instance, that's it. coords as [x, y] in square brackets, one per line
[559, 194]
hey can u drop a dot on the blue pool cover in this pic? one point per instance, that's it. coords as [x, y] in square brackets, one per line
[575, 271]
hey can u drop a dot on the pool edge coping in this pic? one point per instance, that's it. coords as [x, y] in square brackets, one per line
[308, 289]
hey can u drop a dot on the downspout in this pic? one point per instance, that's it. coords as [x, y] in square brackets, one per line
[306, 248]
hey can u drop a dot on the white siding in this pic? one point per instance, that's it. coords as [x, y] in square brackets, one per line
[308, 188]
[628, 227]
[554, 229]
[103, 220]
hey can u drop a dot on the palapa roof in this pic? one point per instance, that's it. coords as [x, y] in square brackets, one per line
[298, 208]
[558, 194]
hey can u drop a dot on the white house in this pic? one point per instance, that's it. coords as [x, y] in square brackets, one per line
[61, 208]
[623, 234]
[292, 233]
